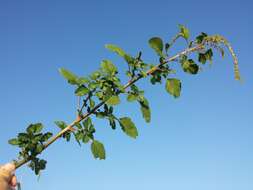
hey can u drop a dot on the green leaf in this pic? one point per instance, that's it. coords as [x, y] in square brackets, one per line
[115, 49]
[81, 91]
[128, 127]
[47, 136]
[61, 124]
[132, 97]
[82, 80]
[98, 150]
[114, 100]
[184, 32]
[108, 67]
[190, 67]
[72, 78]
[119, 51]
[112, 122]
[202, 58]
[145, 110]
[209, 54]
[157, 44]
[92, 103]
[87, 123]
[34, 128]
[85, 139]
[201, 37]
[173, 86]
[95, 75]
[13, 141]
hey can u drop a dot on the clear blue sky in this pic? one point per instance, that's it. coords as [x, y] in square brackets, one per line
[202, 141]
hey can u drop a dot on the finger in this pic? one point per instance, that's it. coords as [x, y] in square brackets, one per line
[7, 171]
[13, 182]
[9, 167]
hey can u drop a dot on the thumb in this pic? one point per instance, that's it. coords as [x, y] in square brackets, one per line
[7, 171]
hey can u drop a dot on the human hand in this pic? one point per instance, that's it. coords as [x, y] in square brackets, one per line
[8, 180]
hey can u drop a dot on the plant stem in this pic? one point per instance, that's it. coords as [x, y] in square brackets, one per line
[18, 164]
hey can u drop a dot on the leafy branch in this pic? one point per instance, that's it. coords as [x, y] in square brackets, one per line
[99, 94]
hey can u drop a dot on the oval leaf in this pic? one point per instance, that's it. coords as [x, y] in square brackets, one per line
[13, 142]
[190, 67]
[98, 150]
[119, 51]
[115, 49]
[108, 67]
[173, 86]
[34, 128]
[81, 91]
[114, 100]
[184, 32]
[145, 110]
[128, 127]
[72, 78]
[157, 44]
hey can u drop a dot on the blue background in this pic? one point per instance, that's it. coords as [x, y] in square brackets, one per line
[203, 140]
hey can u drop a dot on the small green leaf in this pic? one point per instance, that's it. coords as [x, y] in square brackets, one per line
[201, 37]
[128, 127]
[87, 123]
[72, 78]
[115, 49]
[145, 110]
[92, 103]
[112, 122]
[61, 124]
[173, 86]
[81, 91]
[209, 54]
[132, 97]
[13, 141]
[47, 136]
[190, 67]
[119, 51]
[114, 100]
[34, 128]
[157, 44]
[184, 32]
[108, 67]
[95, 75]
[82, 80]
[202, 58]
[85, 139]
[98, 150]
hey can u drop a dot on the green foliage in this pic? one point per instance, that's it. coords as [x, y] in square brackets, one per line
[184, 32]
[173, 86]
[114, 100]
[207, 56]
[120, 52]
[99, 93]
[71, 78]
[62, 125]
[145, 109]
[31, 144]
[81, 91]
[128, 127]
[85, 131]
[157, 44]
[98, 150]
[188, 65]
[108, 67]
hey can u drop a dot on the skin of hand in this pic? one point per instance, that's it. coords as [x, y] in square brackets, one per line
[8, 180]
